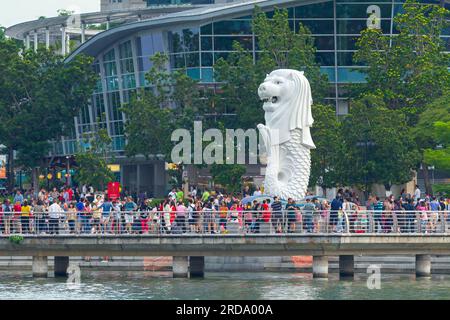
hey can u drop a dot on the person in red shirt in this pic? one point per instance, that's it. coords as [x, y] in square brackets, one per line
[266, 212]
[70, 192]
[173, 212]
[16, 218]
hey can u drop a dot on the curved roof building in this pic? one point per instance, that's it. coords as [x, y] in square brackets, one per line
[195, 34]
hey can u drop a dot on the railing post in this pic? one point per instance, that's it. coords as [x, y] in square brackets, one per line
[347, 222]
[395, 222]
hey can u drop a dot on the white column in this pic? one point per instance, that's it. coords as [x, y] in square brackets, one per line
[83, 33]
[423, 265]
[180, 267]
[35, 41]
[107, 24]
[27, 42]
[47, 38]
[40, 267]
[63, 40]
[68, 43]
[320, 266]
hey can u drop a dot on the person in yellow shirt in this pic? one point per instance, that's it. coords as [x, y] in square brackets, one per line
[25, 217]
[223, 215]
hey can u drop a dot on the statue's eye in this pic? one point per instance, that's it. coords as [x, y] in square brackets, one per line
[278, 82]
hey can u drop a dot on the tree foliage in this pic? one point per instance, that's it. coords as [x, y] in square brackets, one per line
[440, 157]
[408, 70]
[378, 147]
[39, 97]
[228, 175]
[92, 161]
[326, 159]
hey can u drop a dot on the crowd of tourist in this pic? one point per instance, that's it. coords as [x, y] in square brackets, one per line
[83, 211]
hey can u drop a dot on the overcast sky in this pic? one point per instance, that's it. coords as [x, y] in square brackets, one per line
[16, 11]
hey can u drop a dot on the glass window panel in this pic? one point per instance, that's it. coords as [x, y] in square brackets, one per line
[192, 60]
[110, 69]
[398, 8]
[127, 66]
[207, 75]
[318, 10]
[194, 73]
[158, 42]
[350, 75]
[345, 58]
[143, 82]
[114, 106]
[324, 43]
[330, 72]
[125, 50]
[109, 56]
[346, 42]
[446, 41]
[446, 31]
[118, 143]
[360, 10]
[177, 61]
[206, 43]
[226, 43]
[112, 83]
[144, 64]
[325, 58]
[191, 39]
[129, 81]
[356, 26]
[270, 14]
[233, 27]
[318, 26]
[207, 59]
[218, 55]
[175, 42]
[206, 29]
[367, 1]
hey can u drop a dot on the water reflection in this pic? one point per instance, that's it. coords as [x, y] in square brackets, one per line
[232, 286]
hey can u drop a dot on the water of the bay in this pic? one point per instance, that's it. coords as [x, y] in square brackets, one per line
[231, 286]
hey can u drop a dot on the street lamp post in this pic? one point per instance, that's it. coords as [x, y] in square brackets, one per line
[68, 182]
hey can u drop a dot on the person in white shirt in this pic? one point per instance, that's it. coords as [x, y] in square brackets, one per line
[173, 195]
[54, 212]
[257, 192]
[417, 193]
[193, 193]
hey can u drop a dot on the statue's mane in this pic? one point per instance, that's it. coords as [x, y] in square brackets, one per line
[295, 111]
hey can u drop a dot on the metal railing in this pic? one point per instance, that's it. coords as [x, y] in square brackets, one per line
[230, 222]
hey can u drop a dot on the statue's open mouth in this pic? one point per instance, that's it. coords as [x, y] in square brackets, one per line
[271, 99]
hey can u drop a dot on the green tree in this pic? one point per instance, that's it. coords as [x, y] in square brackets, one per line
[39, 96]
[440, 157]
[326, 159]
[2, 33]
[228, 175]
[92, 161]
[408, 70]
[427, 136]
[378, 146]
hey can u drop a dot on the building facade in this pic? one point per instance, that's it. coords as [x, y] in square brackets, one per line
[195, 39]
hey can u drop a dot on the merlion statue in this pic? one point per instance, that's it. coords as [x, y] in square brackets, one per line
[287, 104]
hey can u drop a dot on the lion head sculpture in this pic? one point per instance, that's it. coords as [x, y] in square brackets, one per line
[287, 101]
